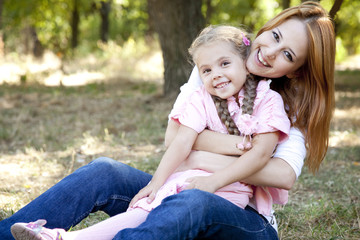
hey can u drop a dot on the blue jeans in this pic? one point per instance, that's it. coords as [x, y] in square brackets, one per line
[108, 185]
[195, 214]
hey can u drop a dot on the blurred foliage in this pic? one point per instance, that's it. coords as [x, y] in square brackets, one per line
[348, 26]
[51, 19]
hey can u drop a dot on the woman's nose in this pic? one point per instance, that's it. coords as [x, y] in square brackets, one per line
[271, 53]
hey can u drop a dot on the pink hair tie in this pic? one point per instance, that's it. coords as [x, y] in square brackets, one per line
[245, 40]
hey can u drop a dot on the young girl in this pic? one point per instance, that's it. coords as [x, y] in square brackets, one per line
[246, 107]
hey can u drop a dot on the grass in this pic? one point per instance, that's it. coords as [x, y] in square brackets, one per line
[48, 132]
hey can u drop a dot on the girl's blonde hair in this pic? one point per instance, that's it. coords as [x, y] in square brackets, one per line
[310, 94]
[239, 39]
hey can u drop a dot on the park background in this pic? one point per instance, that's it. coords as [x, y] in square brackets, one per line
[81, 79]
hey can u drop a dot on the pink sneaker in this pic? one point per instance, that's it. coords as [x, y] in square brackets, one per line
[35, 231]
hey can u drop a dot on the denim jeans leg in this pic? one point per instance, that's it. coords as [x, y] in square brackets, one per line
[104, 184]
[194, 214]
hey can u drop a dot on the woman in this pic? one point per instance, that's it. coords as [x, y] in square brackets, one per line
[307, 88]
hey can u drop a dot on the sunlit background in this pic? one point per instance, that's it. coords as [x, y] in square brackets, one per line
[67, 107]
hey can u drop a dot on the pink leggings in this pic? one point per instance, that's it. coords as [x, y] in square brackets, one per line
[107, 229]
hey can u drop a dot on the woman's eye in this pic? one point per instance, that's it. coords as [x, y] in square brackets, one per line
[276, 36]
[288, 55]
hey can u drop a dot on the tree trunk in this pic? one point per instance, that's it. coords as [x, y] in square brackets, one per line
[177, 23]
[104, 13]
[335, 8]
[285, 4]
[75, 20]
[2, 43]
[209, 11]
[32, 43]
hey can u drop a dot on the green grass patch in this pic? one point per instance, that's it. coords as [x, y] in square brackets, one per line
[48, 132]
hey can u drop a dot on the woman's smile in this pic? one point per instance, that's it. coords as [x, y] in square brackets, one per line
[262, 60]
[279, 51]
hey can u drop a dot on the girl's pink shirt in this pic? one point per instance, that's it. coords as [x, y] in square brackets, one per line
[199, 112]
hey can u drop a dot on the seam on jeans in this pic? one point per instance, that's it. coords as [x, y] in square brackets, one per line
[243, 229]
[113, 197]
[255, 232]
[80, 218]
[266, 225]
[121, 197]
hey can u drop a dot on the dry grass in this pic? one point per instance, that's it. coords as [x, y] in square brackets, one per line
[47, 132]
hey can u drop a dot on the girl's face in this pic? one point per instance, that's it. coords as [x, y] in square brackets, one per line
[280, 51]
[221, 69]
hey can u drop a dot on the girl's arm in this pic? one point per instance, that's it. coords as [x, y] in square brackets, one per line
[178, 150]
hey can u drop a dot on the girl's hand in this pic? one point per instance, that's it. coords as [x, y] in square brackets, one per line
[204, 183]
[149, 191]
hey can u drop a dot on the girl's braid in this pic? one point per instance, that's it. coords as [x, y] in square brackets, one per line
[247, 107]
[250, 94]
[224, 114]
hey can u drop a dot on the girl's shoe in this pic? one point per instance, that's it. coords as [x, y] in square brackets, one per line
[35, 231]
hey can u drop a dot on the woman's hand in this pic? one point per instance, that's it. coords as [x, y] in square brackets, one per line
[204, 183]
[148, 191]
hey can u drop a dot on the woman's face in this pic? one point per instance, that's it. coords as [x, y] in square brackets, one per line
[279, 51]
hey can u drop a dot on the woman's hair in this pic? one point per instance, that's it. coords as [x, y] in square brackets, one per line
[309, 96]
[238, 38]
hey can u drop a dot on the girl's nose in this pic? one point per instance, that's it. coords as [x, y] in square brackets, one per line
[216, 75]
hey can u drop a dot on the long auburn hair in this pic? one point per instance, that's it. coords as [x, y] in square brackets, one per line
[310, 94]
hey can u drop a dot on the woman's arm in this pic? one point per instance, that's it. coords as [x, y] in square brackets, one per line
[246, 165]
[208, 140]
[276, 173]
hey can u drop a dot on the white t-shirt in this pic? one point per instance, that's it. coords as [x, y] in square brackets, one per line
[292, 151]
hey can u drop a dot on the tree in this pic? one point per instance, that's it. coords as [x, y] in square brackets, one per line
[105, 8]
[285, 4]
[177, 23]
[75, 20]
[2, 45]
[335, 8]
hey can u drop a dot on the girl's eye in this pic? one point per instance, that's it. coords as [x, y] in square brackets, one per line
[288, 55]
[225, 63]
[276, 36]
[206, 70]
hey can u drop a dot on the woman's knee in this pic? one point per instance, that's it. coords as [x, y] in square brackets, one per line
[103, 161]
[117, 172]
[107, 165]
